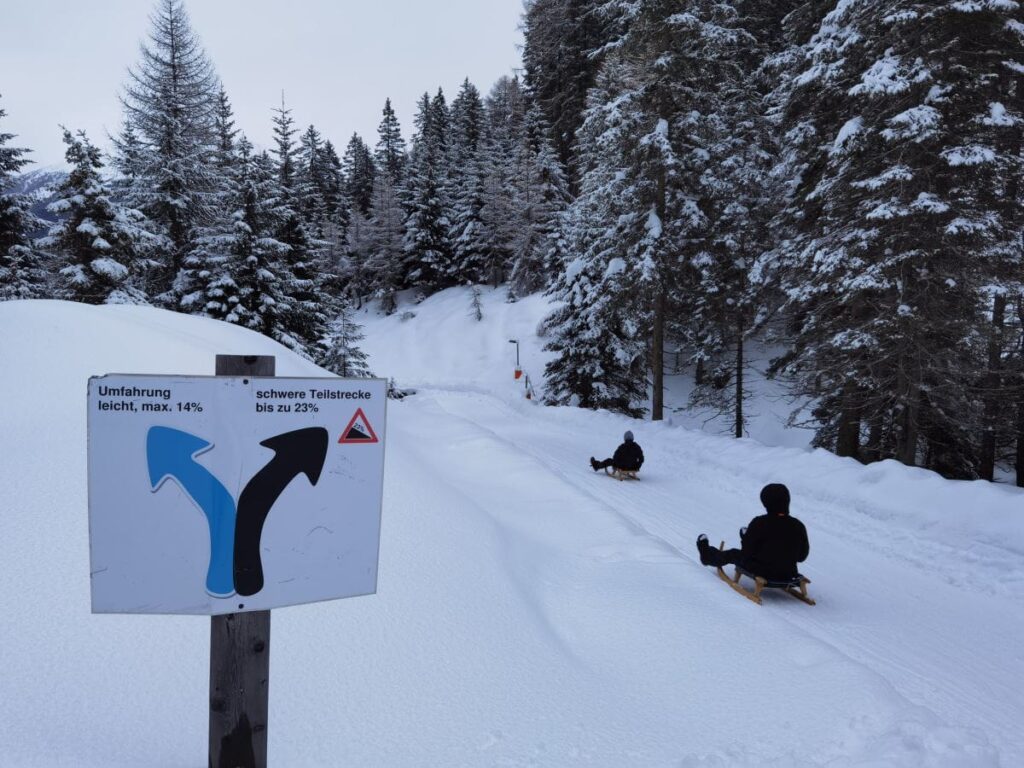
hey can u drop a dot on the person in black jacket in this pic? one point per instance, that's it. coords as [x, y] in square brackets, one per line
[772, 544]
[627, 456]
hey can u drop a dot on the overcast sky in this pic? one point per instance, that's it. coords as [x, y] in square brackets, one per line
[64, 61]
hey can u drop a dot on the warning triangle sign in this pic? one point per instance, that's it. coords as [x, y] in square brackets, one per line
[358, 430]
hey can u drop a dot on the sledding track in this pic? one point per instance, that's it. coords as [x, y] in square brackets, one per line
[934, 624]
[529, 611]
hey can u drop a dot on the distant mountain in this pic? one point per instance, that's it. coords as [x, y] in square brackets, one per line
[41, 186]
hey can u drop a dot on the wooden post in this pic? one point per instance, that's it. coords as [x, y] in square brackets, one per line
[240, 651]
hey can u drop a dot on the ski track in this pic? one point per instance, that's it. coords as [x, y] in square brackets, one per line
[861, 604]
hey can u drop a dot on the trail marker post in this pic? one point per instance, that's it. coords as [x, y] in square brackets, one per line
[518, 371]
[228, 496]
[240, 651]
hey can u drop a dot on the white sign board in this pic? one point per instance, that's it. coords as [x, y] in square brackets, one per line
[213, 495]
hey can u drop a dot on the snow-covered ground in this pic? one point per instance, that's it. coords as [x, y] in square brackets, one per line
[529, 612]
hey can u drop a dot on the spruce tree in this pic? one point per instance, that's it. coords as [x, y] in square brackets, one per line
[505, 110]
[170, 102]
[915, 164]
[300, 269]
[467, 189]
[562, 52]
[542, 199]
[600, 348]
[21, 272]
[427, 226]
[359, 170]
[342, 354]
[383, 269]
[250, 287]
[390, 152]
[97, 244]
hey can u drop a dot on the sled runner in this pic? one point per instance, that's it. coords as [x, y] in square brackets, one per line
[621, 474]
[797, 586]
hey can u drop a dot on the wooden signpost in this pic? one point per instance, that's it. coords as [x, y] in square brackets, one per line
[229, 496]
[240, 651]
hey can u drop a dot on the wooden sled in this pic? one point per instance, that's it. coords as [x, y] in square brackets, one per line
[797, 587]
[621, 474]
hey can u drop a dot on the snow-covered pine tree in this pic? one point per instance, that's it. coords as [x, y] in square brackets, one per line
[561, 56]
[727, 302]
[471, 248]
[427, 246]
[21, 272]
[336, 206]
[342, 354]
[542, 199]
[250, 287]
[359, 170]
[300, 269]
[658, 79]
[467, 189]
[910, 146]
[170, 102]
[314, 187]
[384, 269]
[97, 244]
[600, 347]
[505, 110]
[128, 161]
[205, 285]
[226, 133]
[390, 152]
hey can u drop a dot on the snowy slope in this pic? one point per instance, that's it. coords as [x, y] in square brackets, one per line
[529, 612]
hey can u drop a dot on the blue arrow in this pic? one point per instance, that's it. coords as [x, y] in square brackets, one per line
[170, 453]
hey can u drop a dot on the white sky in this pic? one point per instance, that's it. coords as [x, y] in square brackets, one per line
[65, 61]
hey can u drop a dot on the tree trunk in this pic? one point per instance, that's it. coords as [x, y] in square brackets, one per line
[658, 359]
[739, 374]
[848, 438]
[1020, 444]
[906, 449]
[873, 450]
[993, 378]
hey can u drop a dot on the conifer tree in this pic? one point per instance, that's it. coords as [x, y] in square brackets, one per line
[383, 269]
[359, 170]
[427, 225]
[542, 196]
[342, 354]
[911, 156]
[313, 182]
[97, 243]
[390, 152]
[170, 102]
[250, 291]
[561, 57]
[467, 189]
[21, 271]
[600, 348]
[505, 109]
[300, 268]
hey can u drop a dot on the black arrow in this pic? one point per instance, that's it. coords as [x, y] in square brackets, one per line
[300, 452]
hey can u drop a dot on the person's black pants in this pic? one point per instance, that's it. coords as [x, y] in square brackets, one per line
[603, 464]
[718, 557]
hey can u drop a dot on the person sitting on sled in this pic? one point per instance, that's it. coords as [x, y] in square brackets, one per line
[628, 456]
[772, 544]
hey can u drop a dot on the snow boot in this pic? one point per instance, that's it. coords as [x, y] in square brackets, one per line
[702, 548]
[593, 464]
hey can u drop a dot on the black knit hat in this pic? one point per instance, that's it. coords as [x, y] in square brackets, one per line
[775, 497]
